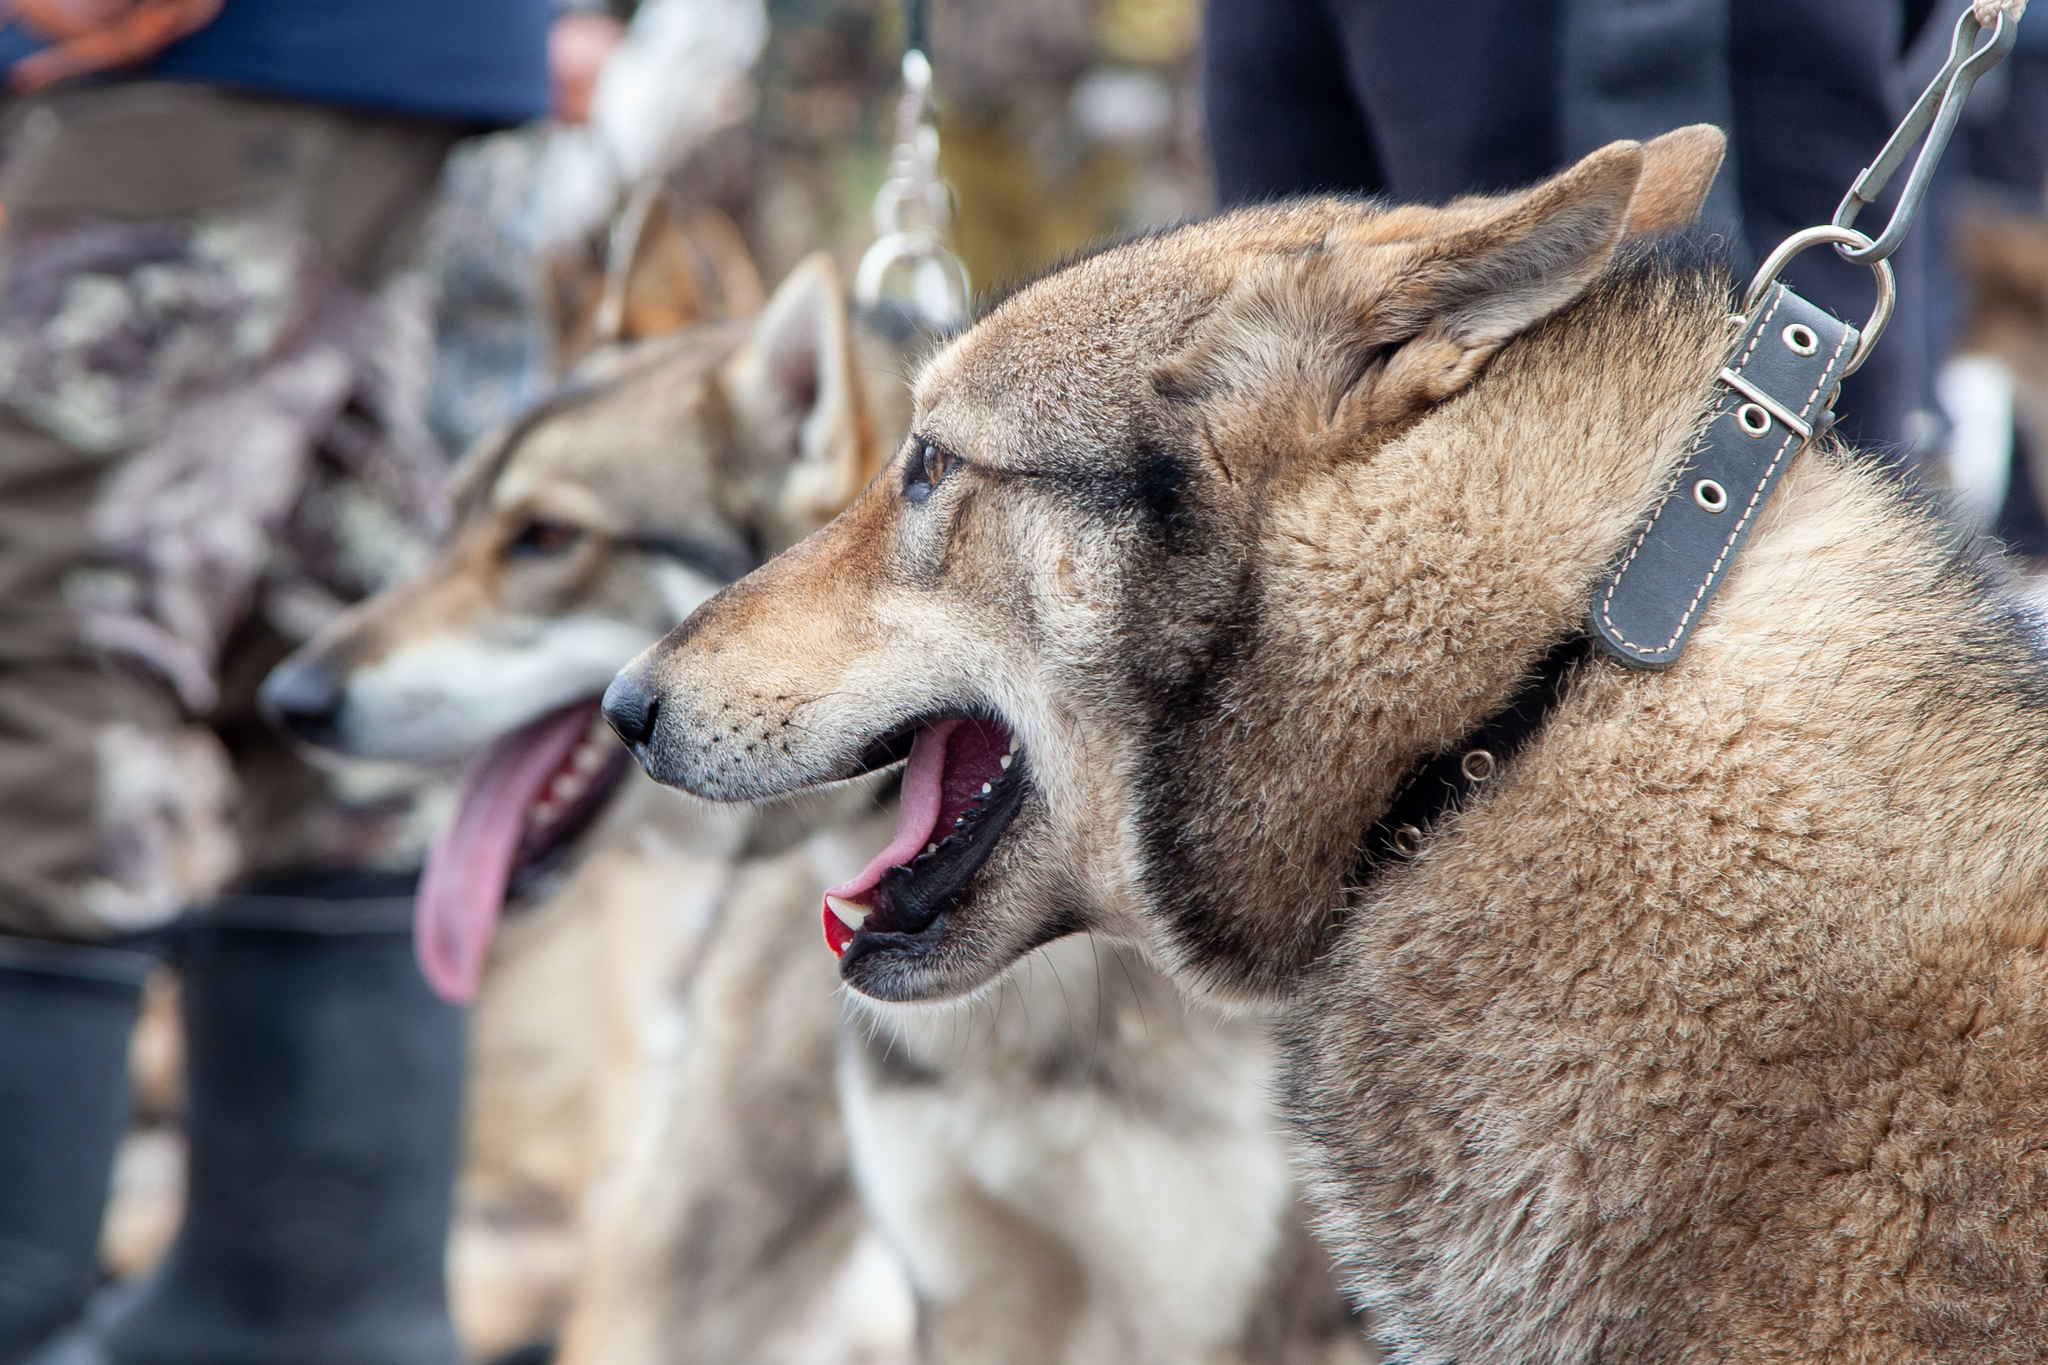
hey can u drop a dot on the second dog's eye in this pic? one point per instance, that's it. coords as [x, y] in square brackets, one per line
[922, 472]
[542, 538]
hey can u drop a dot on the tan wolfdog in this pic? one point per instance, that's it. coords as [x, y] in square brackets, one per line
[660, 471]
[1714, 1028]
[1048, 1206]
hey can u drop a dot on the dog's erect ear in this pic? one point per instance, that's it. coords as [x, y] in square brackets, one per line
[681, 273]
[1678, 170]
[1397, 309]
[1457, 298]
[686, 271]
[794, 387]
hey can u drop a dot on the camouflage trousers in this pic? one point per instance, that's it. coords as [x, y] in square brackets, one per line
[200, 457]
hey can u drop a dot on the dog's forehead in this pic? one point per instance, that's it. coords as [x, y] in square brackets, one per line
[1075, 348]
[634, 396]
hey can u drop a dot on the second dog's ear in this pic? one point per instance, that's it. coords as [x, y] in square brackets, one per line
[794, 387]
[678, 273]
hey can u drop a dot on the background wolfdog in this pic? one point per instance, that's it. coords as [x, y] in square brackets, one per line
[599, 520]
[1082, 1167]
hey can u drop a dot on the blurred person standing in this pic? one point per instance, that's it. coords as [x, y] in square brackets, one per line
[1370, 96]
[202, 435]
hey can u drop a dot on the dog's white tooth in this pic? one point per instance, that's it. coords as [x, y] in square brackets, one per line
[542, 813]
[986, 789]
[852, 914]
[1006, 761]
[588, 757]
[567, 787]
[931, 848]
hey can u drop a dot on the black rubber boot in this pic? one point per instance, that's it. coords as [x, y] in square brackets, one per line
[325, 1106]
[65, 1016]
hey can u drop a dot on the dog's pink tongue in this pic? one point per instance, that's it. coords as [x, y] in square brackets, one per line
[463, 886]
[917, 816]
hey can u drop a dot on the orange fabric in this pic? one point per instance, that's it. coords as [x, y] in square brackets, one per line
[86, 41]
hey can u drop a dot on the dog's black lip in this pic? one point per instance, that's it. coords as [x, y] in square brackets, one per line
[907, 913]
[895, 943]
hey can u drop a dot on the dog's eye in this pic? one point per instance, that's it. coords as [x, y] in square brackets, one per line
[922, 472]
[541, 538]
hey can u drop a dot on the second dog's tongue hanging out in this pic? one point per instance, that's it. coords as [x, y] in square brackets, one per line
[517, 795]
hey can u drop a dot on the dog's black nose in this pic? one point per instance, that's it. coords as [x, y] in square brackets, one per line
[631, 709]
[302, 697]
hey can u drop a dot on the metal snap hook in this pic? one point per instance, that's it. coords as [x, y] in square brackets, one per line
[1934, 116]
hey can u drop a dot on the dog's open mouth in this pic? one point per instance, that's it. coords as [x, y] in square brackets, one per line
[522, 801]
[964, 783]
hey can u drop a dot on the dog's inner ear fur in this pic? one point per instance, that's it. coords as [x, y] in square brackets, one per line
[1399, 309]
[794, 386]
[1535, 254]
[1456, 299]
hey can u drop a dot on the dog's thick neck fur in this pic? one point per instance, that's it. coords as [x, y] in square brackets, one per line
[1523, 487]
[1660, 1000]
[1713, 1030]
[1681, 998]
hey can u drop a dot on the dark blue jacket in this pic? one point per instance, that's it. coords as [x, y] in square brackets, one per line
[478, 61]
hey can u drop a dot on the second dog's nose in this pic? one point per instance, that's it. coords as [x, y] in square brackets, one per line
[630, 708]
[303, 697]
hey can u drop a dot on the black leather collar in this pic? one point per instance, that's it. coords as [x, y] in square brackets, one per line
[1442, 783]
[1773, 399]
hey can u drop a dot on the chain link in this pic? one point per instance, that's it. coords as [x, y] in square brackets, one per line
[912, 210]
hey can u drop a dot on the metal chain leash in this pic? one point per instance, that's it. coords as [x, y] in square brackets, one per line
[914, 206]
